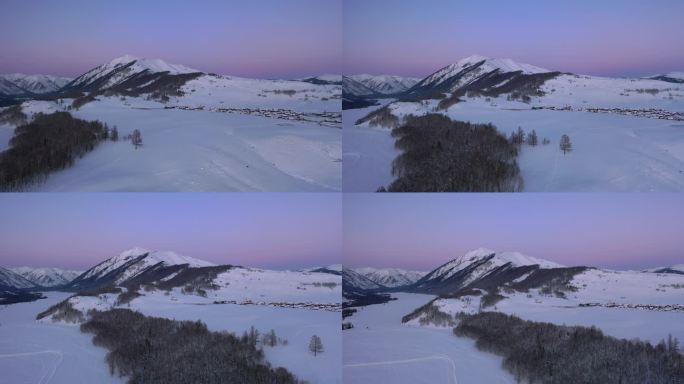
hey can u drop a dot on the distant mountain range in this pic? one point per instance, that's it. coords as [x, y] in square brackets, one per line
[47, 277]
[390, 277]
[18, 84]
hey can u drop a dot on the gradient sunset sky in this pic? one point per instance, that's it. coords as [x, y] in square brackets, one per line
[264, 38]
[423, 231]
[607, 37]
[79, 230]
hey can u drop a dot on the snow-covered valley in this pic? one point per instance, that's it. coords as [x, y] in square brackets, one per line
[381, 349]
[296, 305]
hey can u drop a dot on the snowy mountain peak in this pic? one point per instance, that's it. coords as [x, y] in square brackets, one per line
[47, 277]
[385, 84]
[472, 68]
[166, 257]
[19, 83]
[390, 277]
[10, 279]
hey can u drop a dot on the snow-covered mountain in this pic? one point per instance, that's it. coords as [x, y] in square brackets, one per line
[672, 77]
[131, 73]
[329, 79]
[334, 269]
[390, 277]
[678, 269]
[385, 84]
[479, 73]
[353, 281]
[128, 265]
[480, 267]
[47, 277]
[21, 84]
[12, 280]
[351, 87]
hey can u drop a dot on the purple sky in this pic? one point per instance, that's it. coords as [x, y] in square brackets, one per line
[422, 231]
[264, 38]
[607, 37]
[74, 230]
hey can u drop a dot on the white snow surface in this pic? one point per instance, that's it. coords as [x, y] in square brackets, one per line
[47, 277]
[207, 150]
[380, 349]
[39, 352]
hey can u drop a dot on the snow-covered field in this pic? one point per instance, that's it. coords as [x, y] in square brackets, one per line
[611, 152]
[620, 298]
[380, 349]
[38, 352]
[223, 134]
[367, 152]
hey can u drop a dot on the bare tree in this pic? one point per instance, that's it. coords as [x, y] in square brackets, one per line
[315, 345]
[532, 138]
[565, 144]
[136, 139]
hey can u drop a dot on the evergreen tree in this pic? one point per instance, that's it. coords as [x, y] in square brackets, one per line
[315, 345]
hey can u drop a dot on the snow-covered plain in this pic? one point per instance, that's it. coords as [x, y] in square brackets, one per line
[222, 134]
[380, 349]
[38, 352]
[200, 150]
[611, 152]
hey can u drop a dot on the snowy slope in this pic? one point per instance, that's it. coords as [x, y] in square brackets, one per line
[132, 262]
[10, 279]
[123, 68]
[390, 277]
[354, 88]
[679, 269]
[47, 277]
[327, 78]
[484, 261]
[386, 84]
[36, 84]
[355, 281]
[471, 68]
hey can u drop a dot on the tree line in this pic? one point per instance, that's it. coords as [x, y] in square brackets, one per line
[442, 155]
[537, 352]
[49, 143]
[156, 350]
